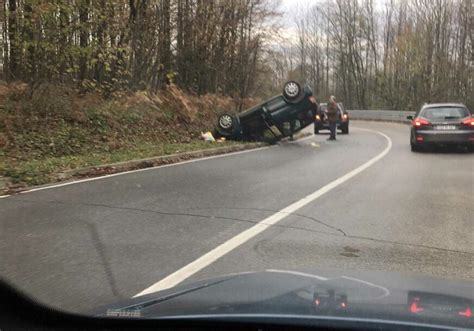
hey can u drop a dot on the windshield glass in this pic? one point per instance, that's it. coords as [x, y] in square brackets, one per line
[149, 148]
[445, 112]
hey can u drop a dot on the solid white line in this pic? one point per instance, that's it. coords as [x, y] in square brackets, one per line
[297, 273]
[385, 290]
[300, 140]
[144, 169]
[221, 250]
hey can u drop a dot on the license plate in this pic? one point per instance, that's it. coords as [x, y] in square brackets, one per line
[446, 127]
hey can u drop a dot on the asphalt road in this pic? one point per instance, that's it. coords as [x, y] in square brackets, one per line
[92, 243]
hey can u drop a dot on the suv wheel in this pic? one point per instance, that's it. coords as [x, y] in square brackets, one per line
[291, 90]
[415, 148]
[345, 129]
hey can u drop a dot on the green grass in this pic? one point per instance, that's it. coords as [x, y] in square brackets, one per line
[51, 129]
[42, 171]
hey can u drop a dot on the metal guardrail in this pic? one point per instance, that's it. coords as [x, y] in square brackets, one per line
[381, 115]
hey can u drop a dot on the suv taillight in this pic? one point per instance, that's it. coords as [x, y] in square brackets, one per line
[419, 122]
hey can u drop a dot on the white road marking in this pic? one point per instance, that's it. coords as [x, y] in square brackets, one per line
[140, 170]
[300, 140]
[231, 244]
[297, 273]
[385, 290]
[145, 169]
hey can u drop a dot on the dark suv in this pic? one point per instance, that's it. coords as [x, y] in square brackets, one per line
[280, 116]
[321, 120]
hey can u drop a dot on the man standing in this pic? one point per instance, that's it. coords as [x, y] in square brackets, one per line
[332, 113]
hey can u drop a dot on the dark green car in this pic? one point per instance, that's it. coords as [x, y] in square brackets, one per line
[281, 116]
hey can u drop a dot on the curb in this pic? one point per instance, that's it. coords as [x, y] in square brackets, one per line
[160, 160]
[154, 161]
[112, 168]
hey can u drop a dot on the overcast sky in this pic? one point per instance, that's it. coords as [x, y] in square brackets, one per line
[289, 8]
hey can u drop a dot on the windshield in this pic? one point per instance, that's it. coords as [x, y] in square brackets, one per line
[148, 148]
[444, 112]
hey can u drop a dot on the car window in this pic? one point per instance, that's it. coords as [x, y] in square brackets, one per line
[444, 112]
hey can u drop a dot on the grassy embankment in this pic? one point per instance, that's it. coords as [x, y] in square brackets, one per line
[52, 129]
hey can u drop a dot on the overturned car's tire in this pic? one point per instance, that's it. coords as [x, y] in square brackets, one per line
[228, 126]
[226, 121]
[292, 91]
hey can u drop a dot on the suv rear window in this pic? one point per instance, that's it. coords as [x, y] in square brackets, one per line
[444, 112]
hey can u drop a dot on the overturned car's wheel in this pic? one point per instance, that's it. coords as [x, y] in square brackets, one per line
[292, 91]
[226, 121]
[228, 126]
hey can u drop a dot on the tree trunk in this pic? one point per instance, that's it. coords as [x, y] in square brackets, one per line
[13, 72]
[83, 37]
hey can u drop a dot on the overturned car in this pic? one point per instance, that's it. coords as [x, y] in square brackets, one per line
[275, 118]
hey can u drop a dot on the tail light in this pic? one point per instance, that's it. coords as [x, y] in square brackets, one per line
[345, 117]
[469, 122]
[466, 313]
[414, 308]
[318, 118]
[419, 122]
